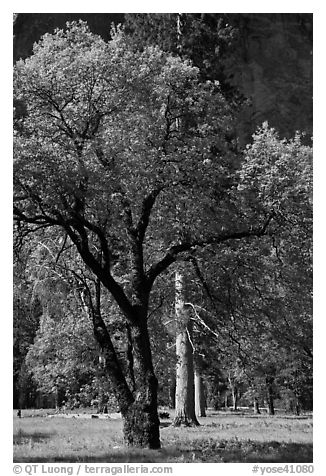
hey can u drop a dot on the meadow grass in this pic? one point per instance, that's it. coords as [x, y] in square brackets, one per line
[221, 437]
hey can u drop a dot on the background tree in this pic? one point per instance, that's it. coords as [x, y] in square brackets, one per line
[256, 296]
[262, 61]
[185, 385]
[205, 38]
[27, 311]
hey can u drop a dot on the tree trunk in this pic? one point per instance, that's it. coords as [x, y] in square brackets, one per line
[138, 400]
[130, 359]
[256, 406]
[56, 398]
[185, 398]
[172, 389]
[140, 420]
[234, 391]
[270, 395]
[235, 398]
[226, 404]
[199, 389]
[270, 405]
[297, 406]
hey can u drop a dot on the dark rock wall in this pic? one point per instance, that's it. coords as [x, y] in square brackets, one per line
[271, 64]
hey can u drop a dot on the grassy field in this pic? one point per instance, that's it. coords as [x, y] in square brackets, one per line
[221, 438]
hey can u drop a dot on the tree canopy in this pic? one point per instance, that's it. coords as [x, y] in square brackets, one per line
[101, 128]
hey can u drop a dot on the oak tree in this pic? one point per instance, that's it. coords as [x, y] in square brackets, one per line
[101, 156]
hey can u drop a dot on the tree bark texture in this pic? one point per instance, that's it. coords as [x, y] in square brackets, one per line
[141, 421]
[185, 398]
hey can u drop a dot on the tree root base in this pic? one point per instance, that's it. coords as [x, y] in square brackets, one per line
[182, 422]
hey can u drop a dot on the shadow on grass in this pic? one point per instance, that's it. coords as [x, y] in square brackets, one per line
[225, 451]
[22, 437]
[261, 415]
[250, 451]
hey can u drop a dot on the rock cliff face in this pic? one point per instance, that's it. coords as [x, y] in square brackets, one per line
[273, 67]
[271, 63]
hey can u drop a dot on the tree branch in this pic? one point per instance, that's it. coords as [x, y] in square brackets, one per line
[173, 252]
[127, 216]
[36, 219]
[103, 338]
[101, 272]
[103, 241]
[147, 207]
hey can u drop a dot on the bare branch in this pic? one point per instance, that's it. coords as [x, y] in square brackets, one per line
[62, 248]
[201, 321]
